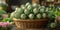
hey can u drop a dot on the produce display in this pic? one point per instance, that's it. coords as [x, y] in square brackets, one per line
[33, 11]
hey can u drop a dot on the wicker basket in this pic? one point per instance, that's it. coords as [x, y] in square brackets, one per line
[36, 23]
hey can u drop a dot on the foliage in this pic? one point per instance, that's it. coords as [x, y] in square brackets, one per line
[2, 12]
[58, 11]
[4, 6]
[7, 20]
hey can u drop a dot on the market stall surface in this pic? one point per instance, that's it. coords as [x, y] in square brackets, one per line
[14, 28]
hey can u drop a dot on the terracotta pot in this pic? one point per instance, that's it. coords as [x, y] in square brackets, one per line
[28, 23]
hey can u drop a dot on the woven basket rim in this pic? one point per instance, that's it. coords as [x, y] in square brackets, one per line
[46, 19]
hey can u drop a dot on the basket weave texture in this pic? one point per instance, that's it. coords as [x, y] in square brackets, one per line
[28, 23]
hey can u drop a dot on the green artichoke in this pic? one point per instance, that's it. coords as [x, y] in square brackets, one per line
[23, 7]
[38, 16]
[44, 15]
[29, 7]
[23, 16]
[12, 15]
[26, 11]
[53, 25]
[31, 16]
[19, 10]
[41, 10]
[36, 10]
[27, 4]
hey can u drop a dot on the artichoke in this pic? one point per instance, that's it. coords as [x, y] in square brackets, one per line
[27, 4]
[51, 5]
[41, 10]
[58, 8]
[39, 7]
[19, 10]
[23, 16]
[26, 11]
[43, 7]
[29, 7]
[12, 15]
[46, 9]
[36, 10]
[23, 7]
[44, 15]
[31, 16]
[30, 10]
[53, 25]
[17, 15]
[38, 16]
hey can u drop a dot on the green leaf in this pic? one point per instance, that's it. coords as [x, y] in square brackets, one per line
[7, 19]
